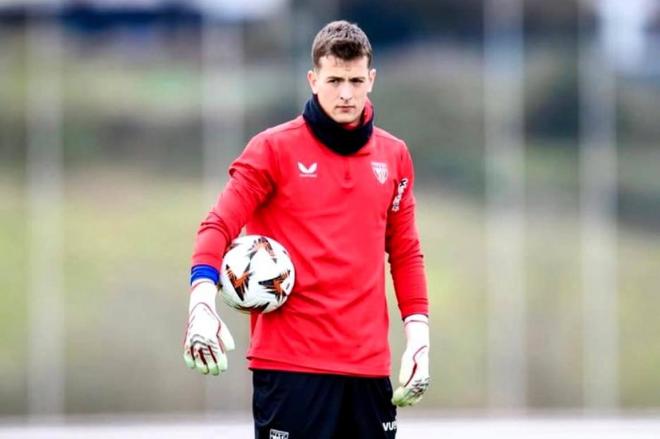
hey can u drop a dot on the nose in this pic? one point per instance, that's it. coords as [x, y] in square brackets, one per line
[345, 92]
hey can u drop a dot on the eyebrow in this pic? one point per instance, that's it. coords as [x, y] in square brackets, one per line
[341, 78]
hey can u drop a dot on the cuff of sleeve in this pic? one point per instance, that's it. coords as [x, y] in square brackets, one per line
[414, 308]
[421, 318]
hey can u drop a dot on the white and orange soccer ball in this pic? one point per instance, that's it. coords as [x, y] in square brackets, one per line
[256, 274]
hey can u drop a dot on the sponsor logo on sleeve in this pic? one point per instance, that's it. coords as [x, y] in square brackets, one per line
[396, 204]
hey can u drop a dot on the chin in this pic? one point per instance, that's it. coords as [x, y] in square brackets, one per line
[345, 118]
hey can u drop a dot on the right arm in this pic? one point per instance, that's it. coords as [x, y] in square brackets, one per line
[250, 184]
[252, 179]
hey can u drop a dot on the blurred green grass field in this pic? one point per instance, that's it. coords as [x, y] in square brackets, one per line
[128, 236]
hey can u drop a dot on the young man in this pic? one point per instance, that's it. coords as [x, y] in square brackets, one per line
[337, 192]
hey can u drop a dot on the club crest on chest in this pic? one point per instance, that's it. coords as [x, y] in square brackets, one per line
[380, 171]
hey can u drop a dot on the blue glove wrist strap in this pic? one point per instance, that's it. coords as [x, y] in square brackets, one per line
[204, 272]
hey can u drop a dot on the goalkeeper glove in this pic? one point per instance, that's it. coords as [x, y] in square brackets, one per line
[414, 373]
[207, 337]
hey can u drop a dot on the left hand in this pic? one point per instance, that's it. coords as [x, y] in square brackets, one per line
[414, 373]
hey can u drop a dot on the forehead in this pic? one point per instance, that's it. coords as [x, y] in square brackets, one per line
[332, 66]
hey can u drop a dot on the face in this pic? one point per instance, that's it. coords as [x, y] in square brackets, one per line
[342, 87]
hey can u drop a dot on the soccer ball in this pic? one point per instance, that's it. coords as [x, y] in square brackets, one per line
[256, 274]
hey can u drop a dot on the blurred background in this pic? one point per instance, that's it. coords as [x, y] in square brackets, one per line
[534, 127]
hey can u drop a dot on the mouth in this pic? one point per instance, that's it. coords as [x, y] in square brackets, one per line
[345, 107]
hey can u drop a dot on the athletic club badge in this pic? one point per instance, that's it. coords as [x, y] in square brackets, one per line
[380, 171]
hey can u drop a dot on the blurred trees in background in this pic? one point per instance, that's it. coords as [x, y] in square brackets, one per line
[123, 68]
[132, 91]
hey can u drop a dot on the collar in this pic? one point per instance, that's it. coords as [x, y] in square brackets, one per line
[338, 137]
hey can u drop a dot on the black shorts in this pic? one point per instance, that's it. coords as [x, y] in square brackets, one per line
[294, 405]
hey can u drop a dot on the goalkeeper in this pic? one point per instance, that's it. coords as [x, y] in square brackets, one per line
[337, 192]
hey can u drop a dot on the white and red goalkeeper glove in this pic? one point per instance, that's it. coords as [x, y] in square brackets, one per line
[414, 373]
[207, 337]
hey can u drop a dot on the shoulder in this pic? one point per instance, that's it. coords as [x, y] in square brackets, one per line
[279, 141]
[389, 141]
[284, 130]
[389, 138]
[265, 149]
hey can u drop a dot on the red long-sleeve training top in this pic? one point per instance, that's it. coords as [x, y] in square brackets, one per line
[337, 216]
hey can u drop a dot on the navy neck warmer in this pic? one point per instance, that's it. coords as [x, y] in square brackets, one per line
[332, 134]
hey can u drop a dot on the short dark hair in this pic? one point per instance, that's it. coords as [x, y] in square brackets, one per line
[343, 40]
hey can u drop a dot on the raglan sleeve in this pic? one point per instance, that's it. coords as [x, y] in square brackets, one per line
[403, 246]
[252, 178]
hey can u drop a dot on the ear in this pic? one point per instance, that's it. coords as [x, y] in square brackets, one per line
[312, 78]
[372, 79]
